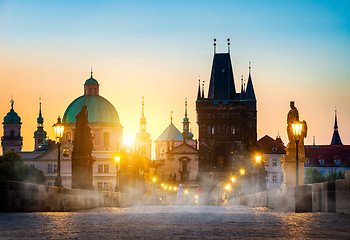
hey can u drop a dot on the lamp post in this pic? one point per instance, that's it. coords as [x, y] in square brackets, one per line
[258, 161]
[297, 132]
[58, 128]
[117, 164]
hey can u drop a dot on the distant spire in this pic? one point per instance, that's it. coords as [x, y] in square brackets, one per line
[143, 106]
[171, 116]
[186, 107]
[203, 89]
[214, 45]
[335, 120]
[228, 45]
[336, 137]
[314, 140]
[242, 88]
[250, 94]
[91, 73]
[39, 106]
[199, 89]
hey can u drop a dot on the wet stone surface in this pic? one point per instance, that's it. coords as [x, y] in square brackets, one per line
[175, 222]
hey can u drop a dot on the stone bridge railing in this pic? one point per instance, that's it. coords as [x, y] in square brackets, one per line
[27, 197]
[317, 197]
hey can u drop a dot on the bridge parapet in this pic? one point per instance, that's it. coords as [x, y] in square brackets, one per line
[27, 197]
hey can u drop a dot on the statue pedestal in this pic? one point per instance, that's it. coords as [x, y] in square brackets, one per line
[289, 168]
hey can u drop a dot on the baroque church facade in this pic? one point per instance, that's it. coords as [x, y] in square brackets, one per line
[107, 135]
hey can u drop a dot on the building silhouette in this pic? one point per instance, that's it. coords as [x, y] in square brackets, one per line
[226, 119]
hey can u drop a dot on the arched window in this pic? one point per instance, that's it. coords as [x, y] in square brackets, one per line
[12, 134]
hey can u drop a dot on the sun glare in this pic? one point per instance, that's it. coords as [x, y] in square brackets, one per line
[129, 140]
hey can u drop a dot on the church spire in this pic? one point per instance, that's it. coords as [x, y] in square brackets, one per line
[186, 126]
[143, 134]
[242, 88]
[199, 89]
[336, 137]
[249, 94]
[39, 135]
[203, 89]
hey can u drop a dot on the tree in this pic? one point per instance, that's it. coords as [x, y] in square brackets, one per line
[313, 175]
[12, 168]
[334, 175]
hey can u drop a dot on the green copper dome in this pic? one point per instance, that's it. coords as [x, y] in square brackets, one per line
[12, 117]
[100, 110]
[91, 80]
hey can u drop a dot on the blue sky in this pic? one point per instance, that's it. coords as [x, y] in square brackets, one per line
[299, 51]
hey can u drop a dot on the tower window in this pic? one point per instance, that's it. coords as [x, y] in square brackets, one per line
[12, 133]
[209, 130]
[233, 130]
[106, 139]
[213, 130]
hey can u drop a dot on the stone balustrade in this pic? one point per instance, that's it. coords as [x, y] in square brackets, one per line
[27, 197]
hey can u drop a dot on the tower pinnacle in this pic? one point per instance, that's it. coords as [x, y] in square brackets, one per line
[336, 137]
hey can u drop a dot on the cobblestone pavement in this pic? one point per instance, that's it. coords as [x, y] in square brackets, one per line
[175, 222]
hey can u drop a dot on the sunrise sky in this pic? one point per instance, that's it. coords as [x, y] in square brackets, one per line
[158, 49]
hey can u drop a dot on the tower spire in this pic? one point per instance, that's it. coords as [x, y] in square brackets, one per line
[39, 135]
[336, 137]
[199, 89]
[186, 126]
[39, 106]
[171, 116]
[242, 88]
[249, 92]
[214, 45]
[91, 73]
[228, 45]
[143, 106]
[203, 89]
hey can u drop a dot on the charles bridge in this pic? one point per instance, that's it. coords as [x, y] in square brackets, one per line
[318, 197]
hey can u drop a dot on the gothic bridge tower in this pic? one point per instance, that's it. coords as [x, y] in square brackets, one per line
[227, 120]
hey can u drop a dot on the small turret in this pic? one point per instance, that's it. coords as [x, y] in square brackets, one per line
[249, 94]
[199, 90]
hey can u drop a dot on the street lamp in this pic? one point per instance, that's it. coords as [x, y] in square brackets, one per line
[117, 164]
[297, 132]
[233, 179]
[258, 161]
[58, 128]
[242, 171]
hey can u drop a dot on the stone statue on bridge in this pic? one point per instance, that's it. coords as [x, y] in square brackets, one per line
[82, 160]
[289, 160]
